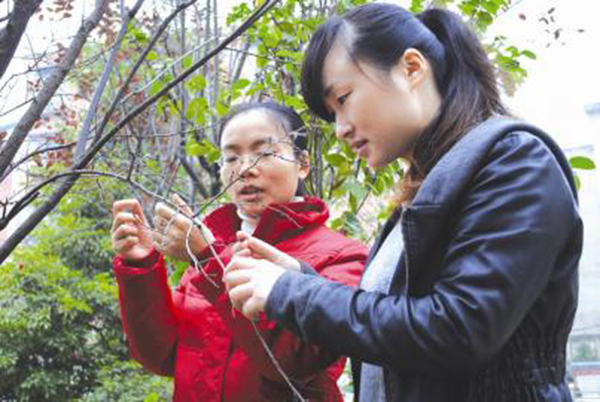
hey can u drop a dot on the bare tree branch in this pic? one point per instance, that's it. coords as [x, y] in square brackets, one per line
[33, 113]
[34, 153]
[32, 221]
[11, 34]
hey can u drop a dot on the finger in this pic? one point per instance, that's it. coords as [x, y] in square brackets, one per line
[159, 222]
[123, 218]
[240, 294]
[238, 247]
[245, 253]
[159, 240]
[239, 263]
[263, 249]
[183, 207]
[124, 231]
[123, 245]
[241, 236]
[237, 278]
[164, 211]
[252, 308]
[132, 206]
[125, 205]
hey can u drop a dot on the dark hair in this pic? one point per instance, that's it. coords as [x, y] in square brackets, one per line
[292, 124]
[379, 34]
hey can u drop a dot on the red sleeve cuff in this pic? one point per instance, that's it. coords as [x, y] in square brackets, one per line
[123, 267]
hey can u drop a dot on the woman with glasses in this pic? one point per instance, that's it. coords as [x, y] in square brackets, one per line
[192, 332]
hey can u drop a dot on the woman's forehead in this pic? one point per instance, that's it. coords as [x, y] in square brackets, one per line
[338, 67]
[252, 127]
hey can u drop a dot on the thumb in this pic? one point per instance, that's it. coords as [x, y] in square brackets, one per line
[180, 203]
[138, 212]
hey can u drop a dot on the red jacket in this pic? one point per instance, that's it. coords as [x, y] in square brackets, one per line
[193, 334]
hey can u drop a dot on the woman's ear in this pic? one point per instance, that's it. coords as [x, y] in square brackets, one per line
[412, 66]
[304, 160]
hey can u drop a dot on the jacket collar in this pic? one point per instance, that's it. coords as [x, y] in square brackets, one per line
[276, 223]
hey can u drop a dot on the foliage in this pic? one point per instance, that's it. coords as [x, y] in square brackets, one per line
[60, 332]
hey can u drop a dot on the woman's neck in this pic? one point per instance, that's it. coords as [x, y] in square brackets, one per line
[250, 222]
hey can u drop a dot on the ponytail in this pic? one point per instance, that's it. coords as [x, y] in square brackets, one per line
[469, 95]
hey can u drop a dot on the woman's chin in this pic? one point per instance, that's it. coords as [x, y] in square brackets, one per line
[251, 209]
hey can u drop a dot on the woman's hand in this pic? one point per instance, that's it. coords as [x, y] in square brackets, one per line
[249, 282]
[131, 237]
[172, 228]
[248, 246]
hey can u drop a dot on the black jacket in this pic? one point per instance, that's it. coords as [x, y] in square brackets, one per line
[484, 296]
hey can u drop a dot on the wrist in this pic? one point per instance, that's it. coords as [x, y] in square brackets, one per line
[145, 262]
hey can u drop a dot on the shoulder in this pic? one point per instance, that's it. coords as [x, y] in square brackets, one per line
[524, 176]
[520, 153]
[521, 142]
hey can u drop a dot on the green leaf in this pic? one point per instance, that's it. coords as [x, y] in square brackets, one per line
[156, 87]
[187, 62]
[351, 225]
[417, 6]
[139, 35]
[261, 62]
[205, 148]
[197, 83]
[151, 56]
[582, 162]
[152, 397]
[467, 9]
[241, 84]
[222, 109]
[335, 160]
[197, 109]
[193, 149]
[491, 7]
[529, 54]
[484, 19]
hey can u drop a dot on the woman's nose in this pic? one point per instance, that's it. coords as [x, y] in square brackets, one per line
[343, 129]
[247, 166]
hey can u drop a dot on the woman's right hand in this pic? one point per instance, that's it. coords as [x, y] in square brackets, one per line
[252, 247]
[131, 236]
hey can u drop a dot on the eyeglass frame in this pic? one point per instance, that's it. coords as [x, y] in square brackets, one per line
[257, 158]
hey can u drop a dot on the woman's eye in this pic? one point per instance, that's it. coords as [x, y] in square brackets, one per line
[342, 99]
[231, 159]
[265, 154]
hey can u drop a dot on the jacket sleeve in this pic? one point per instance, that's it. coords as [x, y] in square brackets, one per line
[298, 359]
[148, 314]
[513, 222]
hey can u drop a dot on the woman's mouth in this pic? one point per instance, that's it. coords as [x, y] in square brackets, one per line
[250, 192]
[361, 147]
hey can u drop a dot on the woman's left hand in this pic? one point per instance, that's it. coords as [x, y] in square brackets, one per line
[176, 234]
[249, 283]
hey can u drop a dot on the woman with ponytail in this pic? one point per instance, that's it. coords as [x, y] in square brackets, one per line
[470, 291]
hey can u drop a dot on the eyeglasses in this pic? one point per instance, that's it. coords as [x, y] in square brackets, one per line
[267, 154]
[235, 161]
